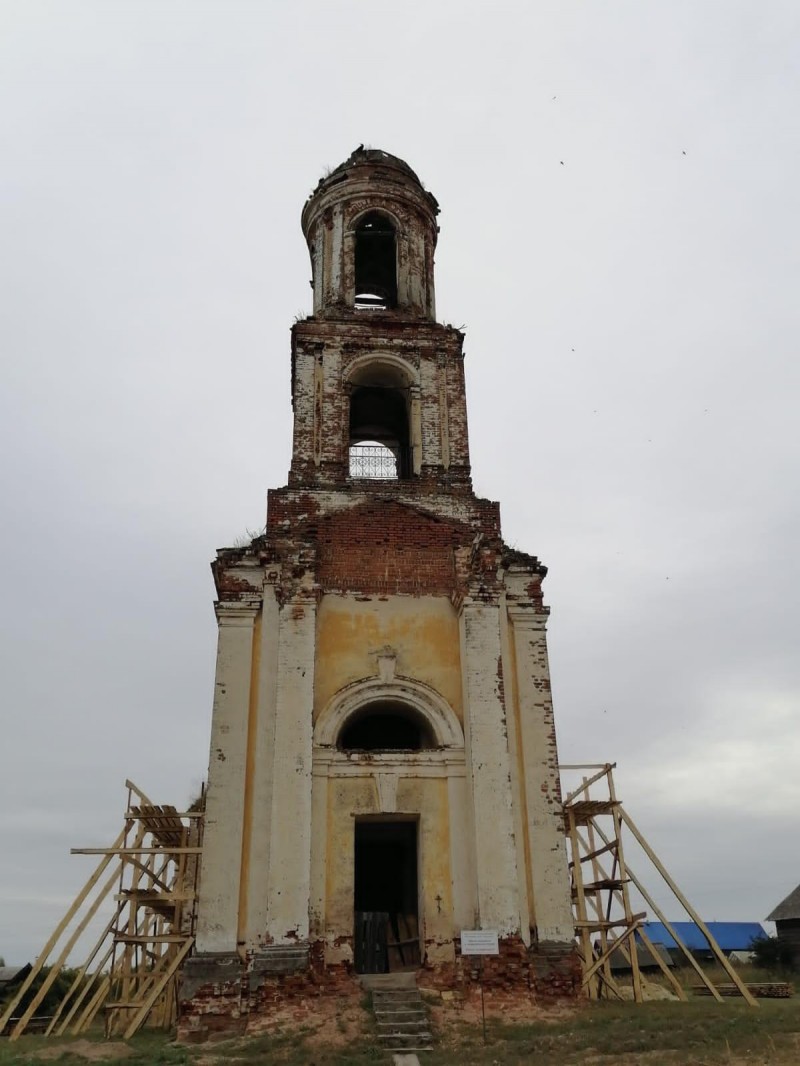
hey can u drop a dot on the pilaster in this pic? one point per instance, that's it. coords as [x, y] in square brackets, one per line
[546, 845]
[218, 911]
[260, 778]
[489, 767]
[290, 849]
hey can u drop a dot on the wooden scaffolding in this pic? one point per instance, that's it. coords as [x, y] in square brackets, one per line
[147, 879]
[605, 922]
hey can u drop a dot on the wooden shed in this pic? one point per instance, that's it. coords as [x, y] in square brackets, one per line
[786, 917]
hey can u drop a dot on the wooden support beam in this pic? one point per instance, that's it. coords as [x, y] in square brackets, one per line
[45, 986]
[62, 925]
[670, 929]
[81, 974]
[168, 851]
[676, 985]
[597, 924]
[620, 858]
[605, 768]
[724, 963]
[157, 989]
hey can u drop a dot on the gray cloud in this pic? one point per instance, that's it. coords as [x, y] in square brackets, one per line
[631, 321]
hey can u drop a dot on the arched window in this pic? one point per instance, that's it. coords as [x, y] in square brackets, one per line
[375, 263]
[386, 725]
[380, 441]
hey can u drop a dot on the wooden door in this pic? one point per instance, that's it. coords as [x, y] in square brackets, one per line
[369, 948]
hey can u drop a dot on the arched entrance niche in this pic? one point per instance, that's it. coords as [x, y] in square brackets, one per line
[390, 797]
[429, 717]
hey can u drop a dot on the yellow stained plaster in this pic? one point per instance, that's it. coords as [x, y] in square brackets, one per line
[426, 799]
[422, 630]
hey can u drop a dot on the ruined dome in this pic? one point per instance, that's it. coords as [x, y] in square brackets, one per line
[377, 161]
[371, 231]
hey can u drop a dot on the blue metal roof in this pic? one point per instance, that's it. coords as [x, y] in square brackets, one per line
[731, 936]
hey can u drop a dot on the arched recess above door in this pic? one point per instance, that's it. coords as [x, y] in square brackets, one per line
[355, 699]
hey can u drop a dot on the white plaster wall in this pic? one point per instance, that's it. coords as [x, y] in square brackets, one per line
[546, 842]
[218, 909]
[290, 848]
[489, 769]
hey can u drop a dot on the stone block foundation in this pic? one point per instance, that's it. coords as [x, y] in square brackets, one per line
[224, 994]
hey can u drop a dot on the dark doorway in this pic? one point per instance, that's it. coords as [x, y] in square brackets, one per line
[386, 933]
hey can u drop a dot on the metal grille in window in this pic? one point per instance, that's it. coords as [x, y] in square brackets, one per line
[373, 461]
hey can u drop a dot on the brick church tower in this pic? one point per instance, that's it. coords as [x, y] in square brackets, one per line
[383, 769]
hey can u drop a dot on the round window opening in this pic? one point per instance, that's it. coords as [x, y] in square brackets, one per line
[386, 726]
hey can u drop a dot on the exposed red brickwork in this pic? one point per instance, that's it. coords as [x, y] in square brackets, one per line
[549, 971]
[385, 547]
[229, 1007]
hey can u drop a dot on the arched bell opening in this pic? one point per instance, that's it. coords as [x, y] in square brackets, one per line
[375, 263]
[379, 432]
[386, 725]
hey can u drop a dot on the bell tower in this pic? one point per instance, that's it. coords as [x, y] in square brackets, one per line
[377, 383]
[383, 769]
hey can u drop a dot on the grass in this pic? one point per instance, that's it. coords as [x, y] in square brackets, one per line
[157, 1049]
[700, 1033]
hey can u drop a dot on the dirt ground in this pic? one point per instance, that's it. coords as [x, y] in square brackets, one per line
[111, 1051]
[324, 1022]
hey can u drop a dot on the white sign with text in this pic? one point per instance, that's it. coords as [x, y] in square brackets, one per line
[479, 942]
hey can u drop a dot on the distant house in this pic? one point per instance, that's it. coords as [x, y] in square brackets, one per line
[620, 962]
[12, 975]
[786, 917]
[730, 937]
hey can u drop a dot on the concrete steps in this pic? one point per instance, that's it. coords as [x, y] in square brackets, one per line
[400, 1014]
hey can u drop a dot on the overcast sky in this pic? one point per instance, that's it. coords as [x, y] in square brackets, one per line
[620, 239]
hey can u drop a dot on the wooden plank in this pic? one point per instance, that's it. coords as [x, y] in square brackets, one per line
[92, 1007]
[595, 854]
[670, 929]
[724, 963]
[81, 974]
[136, 851]
[84, 992]
[677, 986]
[636, 978]
[158, 988]
[605, 956]
[48, 982]
[602, 771]
[597, 924]
[62, 925]
[149, 938]
[587, 766]
[580, 901]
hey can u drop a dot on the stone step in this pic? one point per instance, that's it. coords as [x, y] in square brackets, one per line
[405, 1041]
[400, 1014]
[404, 1025]
[386, 1000]
[375, 982]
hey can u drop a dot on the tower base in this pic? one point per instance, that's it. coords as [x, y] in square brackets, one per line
[221, 993]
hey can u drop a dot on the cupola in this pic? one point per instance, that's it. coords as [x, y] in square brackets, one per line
[371, 231]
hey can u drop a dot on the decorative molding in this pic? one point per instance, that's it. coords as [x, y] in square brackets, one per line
[387, 792]
[527, 617]
[379, 358]
[436, 711]
[238, 612]
[439, 762]
[386, 663]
